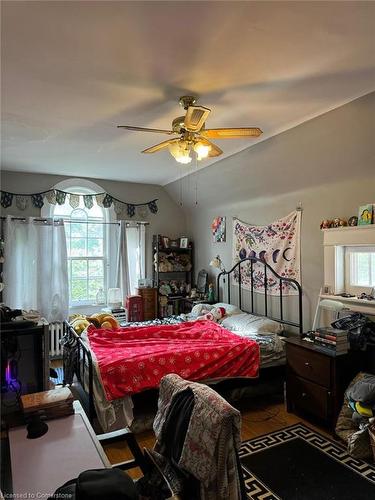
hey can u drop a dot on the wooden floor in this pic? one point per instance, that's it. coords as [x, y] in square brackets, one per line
[258, 417]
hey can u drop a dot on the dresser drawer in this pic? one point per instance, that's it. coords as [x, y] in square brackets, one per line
[309, 365]
[309, 396]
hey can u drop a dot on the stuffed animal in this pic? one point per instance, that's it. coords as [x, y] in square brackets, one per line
[326, 224]
[337, 222]
[353, 221]
[215, 314]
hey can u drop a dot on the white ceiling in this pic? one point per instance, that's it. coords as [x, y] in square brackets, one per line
[72, 71]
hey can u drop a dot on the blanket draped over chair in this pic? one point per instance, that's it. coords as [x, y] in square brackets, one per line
[212, 439]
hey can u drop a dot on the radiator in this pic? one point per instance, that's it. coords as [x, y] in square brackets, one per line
[56, 331]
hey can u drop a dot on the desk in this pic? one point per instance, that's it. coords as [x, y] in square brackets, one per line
[39, 466]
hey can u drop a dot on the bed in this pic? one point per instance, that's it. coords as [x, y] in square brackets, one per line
[246, 324]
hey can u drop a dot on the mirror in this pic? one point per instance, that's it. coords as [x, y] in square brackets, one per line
[202, 281]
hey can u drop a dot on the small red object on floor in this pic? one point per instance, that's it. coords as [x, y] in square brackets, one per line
[134, 306]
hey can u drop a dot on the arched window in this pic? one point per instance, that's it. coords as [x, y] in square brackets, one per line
[88, 242]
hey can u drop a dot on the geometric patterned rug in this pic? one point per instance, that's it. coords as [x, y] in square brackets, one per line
[298, 463]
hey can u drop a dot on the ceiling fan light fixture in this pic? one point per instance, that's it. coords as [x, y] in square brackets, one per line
[180, 151]
[202, 150]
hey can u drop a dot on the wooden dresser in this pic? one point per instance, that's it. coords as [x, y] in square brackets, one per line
[150, 301]
[316, 381]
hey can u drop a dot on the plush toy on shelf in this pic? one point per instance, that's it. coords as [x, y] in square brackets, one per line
[211, 293]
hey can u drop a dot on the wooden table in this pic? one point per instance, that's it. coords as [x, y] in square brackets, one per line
[39, 466]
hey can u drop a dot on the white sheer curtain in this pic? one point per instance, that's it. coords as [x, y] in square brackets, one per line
[122, 272]
[35, 267]
[136, 254]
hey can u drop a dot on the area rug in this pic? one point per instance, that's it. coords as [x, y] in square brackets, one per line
[297, 463]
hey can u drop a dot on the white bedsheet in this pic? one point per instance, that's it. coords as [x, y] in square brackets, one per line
[112, 415]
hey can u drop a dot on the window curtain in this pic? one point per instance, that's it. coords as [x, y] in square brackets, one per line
[128, 251]
[35, 267]
[122, 272]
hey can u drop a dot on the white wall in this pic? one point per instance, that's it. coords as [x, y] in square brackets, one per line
[327, 164]
[170, 219]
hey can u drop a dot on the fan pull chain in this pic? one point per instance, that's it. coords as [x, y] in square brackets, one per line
[196, 181]
[181, 193]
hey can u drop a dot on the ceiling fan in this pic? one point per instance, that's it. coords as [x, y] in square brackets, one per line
[193, 136]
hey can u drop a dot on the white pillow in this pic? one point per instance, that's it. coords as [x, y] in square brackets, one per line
[229, 308]
[249, 323]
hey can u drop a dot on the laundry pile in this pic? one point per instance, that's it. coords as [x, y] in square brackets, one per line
[357, 417]
[361, 397]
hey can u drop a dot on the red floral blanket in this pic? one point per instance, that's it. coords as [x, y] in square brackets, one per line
[134, 359]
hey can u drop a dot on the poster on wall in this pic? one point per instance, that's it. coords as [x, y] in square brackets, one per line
[277, 244]
[218, 229]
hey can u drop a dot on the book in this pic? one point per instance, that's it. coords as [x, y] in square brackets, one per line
[330, 337]
[329, 341]
[336, 348]
[329, 351]
[332, 331]
[365, 214]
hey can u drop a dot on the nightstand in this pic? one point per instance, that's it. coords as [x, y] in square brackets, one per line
[316, 382]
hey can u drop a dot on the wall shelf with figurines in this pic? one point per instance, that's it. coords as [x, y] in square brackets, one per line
[365, 218]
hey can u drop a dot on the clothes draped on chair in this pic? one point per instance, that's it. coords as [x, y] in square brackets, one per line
[35, 267]
[199, 432]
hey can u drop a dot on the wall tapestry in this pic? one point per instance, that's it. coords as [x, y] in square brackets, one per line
[218, 229]
[278, 244]
[56, 196]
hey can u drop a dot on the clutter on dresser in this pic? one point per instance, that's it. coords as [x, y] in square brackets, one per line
[50, 404]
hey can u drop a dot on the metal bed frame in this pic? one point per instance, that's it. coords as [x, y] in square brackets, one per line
[281, 279]
[83, 352]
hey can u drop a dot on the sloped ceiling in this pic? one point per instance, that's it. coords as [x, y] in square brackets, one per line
[72, 71]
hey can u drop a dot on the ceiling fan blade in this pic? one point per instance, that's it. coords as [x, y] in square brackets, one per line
[195, 118]
[214, 151]
[143, 129]
[231, 133]
[161, 145]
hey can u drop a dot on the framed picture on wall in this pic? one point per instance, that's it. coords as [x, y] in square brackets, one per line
[218, 229]
[165, 241]
[184, 242]
[365, 215]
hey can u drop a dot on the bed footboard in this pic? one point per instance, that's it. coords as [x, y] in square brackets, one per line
[82, 367]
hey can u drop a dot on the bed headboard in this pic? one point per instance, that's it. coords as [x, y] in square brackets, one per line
[237, 270]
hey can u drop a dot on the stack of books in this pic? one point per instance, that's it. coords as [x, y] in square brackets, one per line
[331, 340]
[51, 404]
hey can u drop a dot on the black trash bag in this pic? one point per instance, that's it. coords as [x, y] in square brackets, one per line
[361, 330]
[98, 484]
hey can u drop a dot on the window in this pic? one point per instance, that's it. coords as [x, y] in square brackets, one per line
[359, 268]
[92, 245]
[86, 249]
